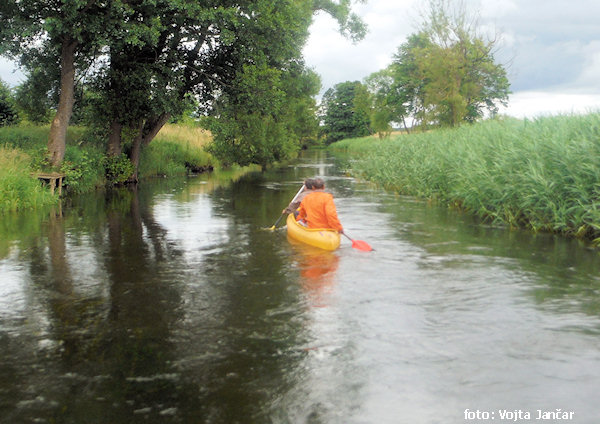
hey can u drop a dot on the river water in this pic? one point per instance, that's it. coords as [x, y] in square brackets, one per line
[175, 304]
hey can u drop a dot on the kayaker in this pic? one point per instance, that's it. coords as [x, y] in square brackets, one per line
[317, 208]
[293, 206]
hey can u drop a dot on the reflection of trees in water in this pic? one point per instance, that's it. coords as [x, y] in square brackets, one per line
[244, 328]
[142, 332]
[136, 346]
[108, 343]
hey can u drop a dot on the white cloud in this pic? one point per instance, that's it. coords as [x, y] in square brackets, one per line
[532, 104]
[337, 59]
[589, 77]
[9, 73]
[492, 9]
[551, 49]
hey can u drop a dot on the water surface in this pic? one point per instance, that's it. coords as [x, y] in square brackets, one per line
[173, 303]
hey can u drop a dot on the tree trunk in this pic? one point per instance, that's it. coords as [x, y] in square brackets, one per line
[145, 133]
[153, 126]
[404, 123]
[136, 150]
[57, 141]
[114, 139]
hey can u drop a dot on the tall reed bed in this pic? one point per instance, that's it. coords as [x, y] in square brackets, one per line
[18, 189]
[542, 174]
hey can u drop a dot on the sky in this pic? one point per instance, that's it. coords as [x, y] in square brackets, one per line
[550, 49]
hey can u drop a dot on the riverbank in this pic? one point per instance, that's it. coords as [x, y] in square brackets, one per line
[177, 150]
[543, 175]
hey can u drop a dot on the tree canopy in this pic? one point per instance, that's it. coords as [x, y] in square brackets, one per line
[144, 61]
[345, 111]
[446, 73]
[442, 75]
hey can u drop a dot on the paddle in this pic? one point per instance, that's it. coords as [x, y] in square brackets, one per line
[359, 244]
[293, 200]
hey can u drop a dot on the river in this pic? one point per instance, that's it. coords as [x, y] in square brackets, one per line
[174, 303]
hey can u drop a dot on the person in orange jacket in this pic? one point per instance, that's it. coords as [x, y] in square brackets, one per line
[317, 208]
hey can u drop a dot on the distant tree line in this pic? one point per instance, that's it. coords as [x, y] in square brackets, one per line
[129, 66]
[442, 76]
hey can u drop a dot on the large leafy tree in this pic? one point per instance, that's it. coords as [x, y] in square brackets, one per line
[391, 102]
[37, 97]
[268, 110]
[61, 34]
[235, 58]
[346, 111]
[407, 88]
[266, 115]
[446, 73]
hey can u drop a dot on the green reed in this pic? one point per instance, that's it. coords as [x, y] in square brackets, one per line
[18, 189]
[542, 174]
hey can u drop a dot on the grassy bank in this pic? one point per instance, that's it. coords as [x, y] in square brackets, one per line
[176, 150]
[18, 190]
[542, 174]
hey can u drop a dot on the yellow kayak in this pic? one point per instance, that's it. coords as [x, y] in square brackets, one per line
[318, 237]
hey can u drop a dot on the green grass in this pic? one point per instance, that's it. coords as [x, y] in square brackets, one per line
[542, 174]
[175, 150]
[18, 189]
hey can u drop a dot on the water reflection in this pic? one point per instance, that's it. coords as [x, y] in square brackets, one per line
[563, 275]
[317, 270]
[173, 303]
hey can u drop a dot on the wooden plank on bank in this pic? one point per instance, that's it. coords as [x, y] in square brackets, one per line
[54, 179]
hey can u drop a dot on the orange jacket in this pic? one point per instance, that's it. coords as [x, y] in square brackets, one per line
[318, 209]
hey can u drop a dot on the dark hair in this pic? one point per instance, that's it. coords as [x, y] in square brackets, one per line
[309, 183]
[318, 183]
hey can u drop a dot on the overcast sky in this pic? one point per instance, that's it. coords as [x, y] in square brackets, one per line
[550, 48]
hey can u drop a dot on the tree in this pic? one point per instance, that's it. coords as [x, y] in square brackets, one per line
[346, 111]
[268, 115]
[301, 85]
[385, 109]
[446, 73]
[262, 116]
[151, 57]
[39, 33]
[235, 59]
[8, 111]
[37, 97]
[408, 85]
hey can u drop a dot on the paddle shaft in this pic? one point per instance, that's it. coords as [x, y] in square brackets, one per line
[293, 200]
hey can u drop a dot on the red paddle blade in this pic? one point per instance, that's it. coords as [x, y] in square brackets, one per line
[361, 245]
